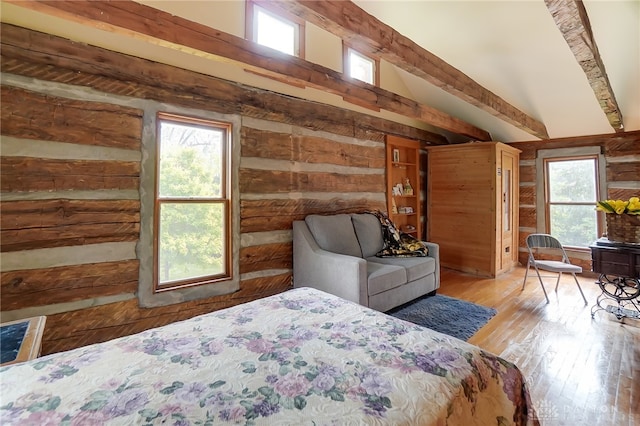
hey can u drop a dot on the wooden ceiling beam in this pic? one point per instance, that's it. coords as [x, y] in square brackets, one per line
[155, 26]
[365, 32]
[572, 21]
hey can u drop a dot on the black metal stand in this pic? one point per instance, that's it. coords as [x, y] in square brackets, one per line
[619, 268]
[623, 291]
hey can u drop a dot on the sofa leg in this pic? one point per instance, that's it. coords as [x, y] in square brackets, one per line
[431, 293]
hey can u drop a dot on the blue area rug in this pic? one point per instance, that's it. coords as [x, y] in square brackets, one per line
[445, 314]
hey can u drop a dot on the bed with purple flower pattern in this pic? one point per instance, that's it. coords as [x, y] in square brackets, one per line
[297, 358]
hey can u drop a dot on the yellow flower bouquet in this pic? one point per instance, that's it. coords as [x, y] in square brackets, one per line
[623, 219]
[620, 207]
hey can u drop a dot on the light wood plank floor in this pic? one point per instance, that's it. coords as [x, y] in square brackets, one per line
[580, 371]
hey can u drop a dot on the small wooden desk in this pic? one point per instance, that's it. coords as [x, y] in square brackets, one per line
[614, 258]
[21, 339]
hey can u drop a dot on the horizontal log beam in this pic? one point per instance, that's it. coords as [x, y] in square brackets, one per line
[265, 257]
[40, 214]
[50, 58]
[309, 149]
[66, 235]
[620, 193]
[573, 22]
[26, 225]
[371, 36]
[274, 181]
[614, 144]
[26, 174]
[32, 115]
[40, 287]
[628, 171]
[158, 27]
[276, 214]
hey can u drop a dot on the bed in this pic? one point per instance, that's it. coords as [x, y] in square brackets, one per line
[301, 357]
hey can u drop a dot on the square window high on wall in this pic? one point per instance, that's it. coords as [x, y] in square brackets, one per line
[192, 212]
[361, 67]
[272, 27]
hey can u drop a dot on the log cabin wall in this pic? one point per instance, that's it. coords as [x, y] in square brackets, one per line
[71, 124]
[622, 156]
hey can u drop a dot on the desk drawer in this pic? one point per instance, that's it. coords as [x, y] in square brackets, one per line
[616, 263]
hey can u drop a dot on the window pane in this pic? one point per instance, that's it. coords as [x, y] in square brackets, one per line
[361, 67]
[191, 241]
[572, 180]
[574, 225]
[275, 33]
[190, 161]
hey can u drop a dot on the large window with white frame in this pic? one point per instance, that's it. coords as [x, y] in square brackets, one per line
[572, 185]
[192, 243]
[271, 27]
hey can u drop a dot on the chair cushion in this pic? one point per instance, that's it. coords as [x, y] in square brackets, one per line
[557, 266]
[334, 233]
[384, 277]
[369, 233]
[417, 267]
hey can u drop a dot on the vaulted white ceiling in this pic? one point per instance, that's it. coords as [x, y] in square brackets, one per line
[515, 49]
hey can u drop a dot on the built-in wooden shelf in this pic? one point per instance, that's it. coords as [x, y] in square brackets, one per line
[403, 159]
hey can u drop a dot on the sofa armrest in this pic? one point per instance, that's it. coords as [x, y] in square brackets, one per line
[338, 274]
[434, 251]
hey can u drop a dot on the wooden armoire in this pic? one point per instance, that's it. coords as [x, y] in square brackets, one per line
[472, 206]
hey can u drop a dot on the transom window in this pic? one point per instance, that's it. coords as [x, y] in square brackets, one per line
[192, 204]
[273, 28]
[571, 192]
[360, 66]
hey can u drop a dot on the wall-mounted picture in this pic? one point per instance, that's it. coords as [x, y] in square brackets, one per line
[396, 155]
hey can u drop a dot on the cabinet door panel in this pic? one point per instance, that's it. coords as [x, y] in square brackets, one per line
[473, 203]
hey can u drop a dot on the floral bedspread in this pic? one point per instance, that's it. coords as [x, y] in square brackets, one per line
[302, 357]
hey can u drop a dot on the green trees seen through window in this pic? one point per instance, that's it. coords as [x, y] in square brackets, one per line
[191, 205]
[572, 194]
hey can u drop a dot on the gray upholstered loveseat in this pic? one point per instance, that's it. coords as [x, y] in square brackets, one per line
[337, 254]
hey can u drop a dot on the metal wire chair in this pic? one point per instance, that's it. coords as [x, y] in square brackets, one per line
[550, 247]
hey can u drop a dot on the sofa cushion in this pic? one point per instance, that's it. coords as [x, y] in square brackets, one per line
[384, 277]
[369, 233]
[417, 267]
[334, 233]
